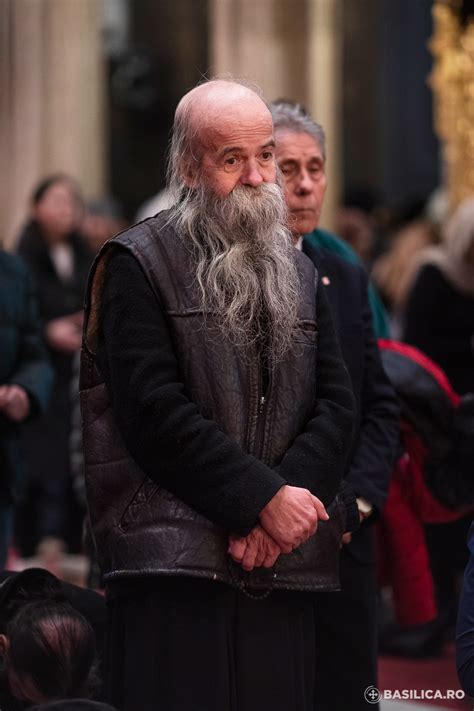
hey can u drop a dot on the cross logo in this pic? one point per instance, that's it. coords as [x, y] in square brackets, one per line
[372, 695]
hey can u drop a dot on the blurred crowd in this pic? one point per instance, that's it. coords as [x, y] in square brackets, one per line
[421, 261]
[44, 320]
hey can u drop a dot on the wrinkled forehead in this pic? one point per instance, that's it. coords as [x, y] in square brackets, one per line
[226, 113]
[236, 127]
[290, 142]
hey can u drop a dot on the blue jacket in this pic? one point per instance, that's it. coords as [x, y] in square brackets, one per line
[23, 361]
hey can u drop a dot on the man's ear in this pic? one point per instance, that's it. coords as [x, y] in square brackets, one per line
[190, 172]
[4, 645]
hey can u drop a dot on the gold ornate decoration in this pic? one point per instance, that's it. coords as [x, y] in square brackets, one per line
[452, 83]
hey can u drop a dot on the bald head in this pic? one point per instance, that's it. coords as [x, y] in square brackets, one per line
[208, 104]
[222, 130]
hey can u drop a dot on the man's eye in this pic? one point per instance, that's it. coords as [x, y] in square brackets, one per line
[231, 161]
[267, 155]
[287, 170]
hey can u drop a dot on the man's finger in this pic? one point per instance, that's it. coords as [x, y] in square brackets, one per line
[248, 561]
[307, 534]
[259, 558]
[237, 548]
[271, 558]
[285, 547]
[299, 541]
[320, 509]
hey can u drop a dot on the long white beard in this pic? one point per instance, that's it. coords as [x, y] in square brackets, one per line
[245, 263]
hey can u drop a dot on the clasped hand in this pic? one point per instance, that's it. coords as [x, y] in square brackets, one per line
[287, 521]
[64, 334]
[256, 550]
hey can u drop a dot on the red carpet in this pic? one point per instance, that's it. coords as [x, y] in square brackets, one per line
[396, 673]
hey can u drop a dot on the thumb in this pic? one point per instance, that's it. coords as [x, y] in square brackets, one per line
[320, 509]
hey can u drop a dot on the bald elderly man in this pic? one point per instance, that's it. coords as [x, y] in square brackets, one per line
[217, 420]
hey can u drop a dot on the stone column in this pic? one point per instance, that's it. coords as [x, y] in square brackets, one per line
[324, 87]
[262, 41]
[51, 105]
[292, 49]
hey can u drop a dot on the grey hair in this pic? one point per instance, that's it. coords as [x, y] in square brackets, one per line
[183, 149]
[290, 116]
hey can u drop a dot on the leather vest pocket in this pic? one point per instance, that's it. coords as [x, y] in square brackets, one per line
[307, 333]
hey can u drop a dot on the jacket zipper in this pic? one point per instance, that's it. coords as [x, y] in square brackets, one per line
[261, 415]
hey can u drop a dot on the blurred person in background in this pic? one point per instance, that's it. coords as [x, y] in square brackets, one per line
[413, 227]
[354, 226]
[161, 201]
[432, 483]
[361, 222]
[59, 262]
[49, 635]
[439, 317]
[439, 320]
[25, 382]
[102, 220]
[345, 621]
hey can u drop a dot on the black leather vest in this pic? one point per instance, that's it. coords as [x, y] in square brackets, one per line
[139, 527]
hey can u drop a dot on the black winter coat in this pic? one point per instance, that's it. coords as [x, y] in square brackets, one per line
[47, 441]
[23, 361]
[376, 436]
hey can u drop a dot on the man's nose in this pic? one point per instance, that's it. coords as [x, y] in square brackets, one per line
[251, 175]
[304, 183]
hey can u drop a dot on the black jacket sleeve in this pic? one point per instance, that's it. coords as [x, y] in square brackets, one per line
[317, 458]
[378, 443]
[162, 429]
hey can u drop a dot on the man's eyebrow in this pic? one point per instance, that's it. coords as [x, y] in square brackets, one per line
[231, 149]
[239, 149]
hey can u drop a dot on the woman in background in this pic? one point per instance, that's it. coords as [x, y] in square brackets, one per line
[25, 382]
[59, 262]
[439, 316]
[440, 322]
